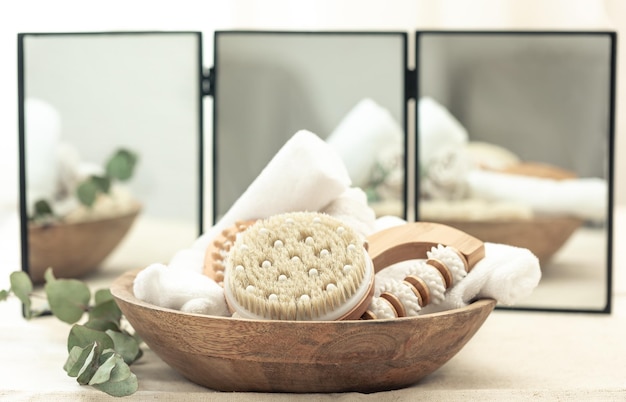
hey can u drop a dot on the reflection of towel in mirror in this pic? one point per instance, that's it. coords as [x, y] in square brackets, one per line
[362, 135]
[439, 131]
[443, 160]
[43, 123]
[584, 198]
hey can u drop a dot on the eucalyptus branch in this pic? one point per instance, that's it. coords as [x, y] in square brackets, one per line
[100, 350]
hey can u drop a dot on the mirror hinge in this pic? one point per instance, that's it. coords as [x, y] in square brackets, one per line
[410, 82]
[208, 81]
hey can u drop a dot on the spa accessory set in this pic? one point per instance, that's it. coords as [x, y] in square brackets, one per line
[299, 287]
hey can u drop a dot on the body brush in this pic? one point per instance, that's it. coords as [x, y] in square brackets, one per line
[298, 266]
[309, 266]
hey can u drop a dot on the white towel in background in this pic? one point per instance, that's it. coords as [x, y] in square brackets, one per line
[585, 198]
[43, 125]
[361, 135]
[439, 131]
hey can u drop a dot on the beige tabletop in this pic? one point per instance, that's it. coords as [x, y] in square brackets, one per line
[515, 355]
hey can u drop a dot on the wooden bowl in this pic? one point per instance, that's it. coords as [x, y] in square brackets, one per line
[77, 248]
[230, 354]
[543, 235]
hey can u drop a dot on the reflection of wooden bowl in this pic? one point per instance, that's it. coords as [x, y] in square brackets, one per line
[544, 235]
[230, 354]
[77, 248]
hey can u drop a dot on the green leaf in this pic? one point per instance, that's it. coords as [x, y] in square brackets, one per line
[121, 371]
[121, 165]
[42, 209]
[90, 366]
[82, 336]
[76, 359]
[22, 286]
[106, 311]
[68, 299]
[87, 191]
[126, 345]
[102, 296]
[102, 183]
[119, 388]
[108, 360]
[102, 325]
[4, 294]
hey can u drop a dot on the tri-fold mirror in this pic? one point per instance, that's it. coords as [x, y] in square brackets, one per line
[513, 138]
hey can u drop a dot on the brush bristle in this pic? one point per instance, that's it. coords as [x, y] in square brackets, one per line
[295, 266]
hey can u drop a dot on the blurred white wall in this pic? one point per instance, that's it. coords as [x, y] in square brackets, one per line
[207, 16]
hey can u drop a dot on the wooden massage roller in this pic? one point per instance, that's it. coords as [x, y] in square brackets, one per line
[444, 256]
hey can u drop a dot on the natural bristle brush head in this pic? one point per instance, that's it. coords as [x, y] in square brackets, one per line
[298, 266]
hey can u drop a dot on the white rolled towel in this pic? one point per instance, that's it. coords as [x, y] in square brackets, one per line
[361, 135]
[351, 208]
[171, 288]
[305, 175]
[439, 131]
[585, 198]
[507, 274]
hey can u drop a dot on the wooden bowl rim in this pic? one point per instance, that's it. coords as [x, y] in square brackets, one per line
[132, 211]
[524, 221]
[121, 289]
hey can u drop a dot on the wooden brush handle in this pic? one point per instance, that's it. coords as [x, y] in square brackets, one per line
[413, 240]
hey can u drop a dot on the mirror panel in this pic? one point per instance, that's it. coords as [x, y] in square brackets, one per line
[515, 146]
[83, 96]
[346, 87]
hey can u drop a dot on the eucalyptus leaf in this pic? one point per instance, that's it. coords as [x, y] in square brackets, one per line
[102, 325]
[125, 345]
[76, 359]
[87, 192]
[82, 336]
[42, 210]
[4, 294]
[90, 366]
[22, 286]
[68, 299]
[103, 373]
[121, 165]
[102, 296]
[119, 388]
[106, 311]
[103, 184]
[121, 371]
